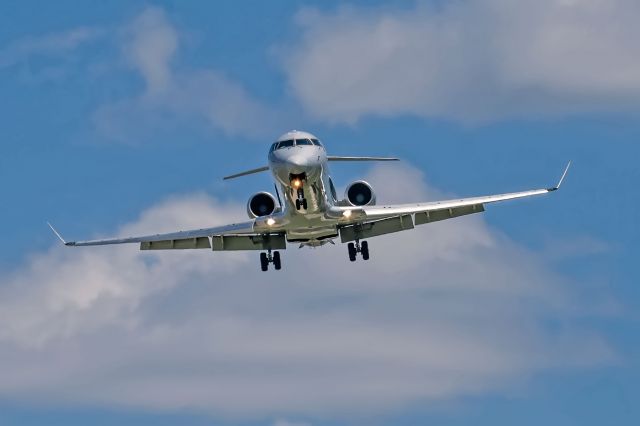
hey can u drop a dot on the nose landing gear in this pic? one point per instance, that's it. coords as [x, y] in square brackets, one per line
[301, 201]
[356, 248]
[266, 258]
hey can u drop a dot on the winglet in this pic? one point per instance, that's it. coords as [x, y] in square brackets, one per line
[66, 243]
[566, 169]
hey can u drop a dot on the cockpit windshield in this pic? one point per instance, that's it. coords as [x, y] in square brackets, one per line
[285, 144]
[298, 142]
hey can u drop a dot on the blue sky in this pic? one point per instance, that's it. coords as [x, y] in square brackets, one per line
[122, 117]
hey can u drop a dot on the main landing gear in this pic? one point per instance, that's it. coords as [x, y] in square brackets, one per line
[266, 258]
[354, 249]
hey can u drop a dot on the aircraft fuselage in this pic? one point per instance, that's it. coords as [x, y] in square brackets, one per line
[301, 172]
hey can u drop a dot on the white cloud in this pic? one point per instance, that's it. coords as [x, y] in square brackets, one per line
[152, 44]
[52, 44]
[448, 309]
[178, 94]
[469, 61]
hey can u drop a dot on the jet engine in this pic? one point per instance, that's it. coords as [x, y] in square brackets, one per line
[261, 204]
[360, 193]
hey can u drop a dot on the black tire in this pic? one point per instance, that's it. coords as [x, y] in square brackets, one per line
[364, 249]
[304, 203]
[297, 204]
[276, 260]
[352, 252]
[264, 262]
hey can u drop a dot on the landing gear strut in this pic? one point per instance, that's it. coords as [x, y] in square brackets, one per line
[354, 249]
[266, 258]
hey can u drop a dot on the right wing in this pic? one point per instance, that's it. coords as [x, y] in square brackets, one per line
[237, 236]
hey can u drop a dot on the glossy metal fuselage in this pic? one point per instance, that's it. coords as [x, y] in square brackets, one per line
[316, 222]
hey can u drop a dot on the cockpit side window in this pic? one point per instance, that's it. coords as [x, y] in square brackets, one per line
[316, 142]
[273, 147]
[303, 142]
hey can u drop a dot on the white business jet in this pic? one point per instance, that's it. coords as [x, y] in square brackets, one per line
[311, 213]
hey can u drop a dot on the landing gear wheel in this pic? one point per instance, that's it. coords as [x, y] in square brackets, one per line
[352, 252]
[301, 201]
[276, 260]
[364, 249]
[264, 261]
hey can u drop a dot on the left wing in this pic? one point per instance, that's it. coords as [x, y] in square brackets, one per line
[393, 218]
[237, 236]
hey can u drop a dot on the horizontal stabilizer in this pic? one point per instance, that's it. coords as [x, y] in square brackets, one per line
[248, 172]
[340, 158]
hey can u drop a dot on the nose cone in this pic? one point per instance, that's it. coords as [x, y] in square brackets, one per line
[304, 161]
[299, 160]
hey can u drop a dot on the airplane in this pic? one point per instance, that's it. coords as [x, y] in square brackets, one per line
[311, 214]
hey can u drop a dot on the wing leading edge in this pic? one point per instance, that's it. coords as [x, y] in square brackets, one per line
[179, 239]
[448, 208]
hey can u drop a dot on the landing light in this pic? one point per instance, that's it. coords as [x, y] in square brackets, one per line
[271, 221]
[346, 213]
[297, 183]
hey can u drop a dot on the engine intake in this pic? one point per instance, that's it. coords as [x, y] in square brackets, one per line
[360, 193]
[261, 204]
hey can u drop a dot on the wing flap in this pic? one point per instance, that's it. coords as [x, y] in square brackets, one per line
[221, 243]
[181, 244]
[248, 242]
[436, 215]
[376, 228]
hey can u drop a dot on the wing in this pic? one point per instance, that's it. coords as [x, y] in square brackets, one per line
[237, 236]
[371, 221]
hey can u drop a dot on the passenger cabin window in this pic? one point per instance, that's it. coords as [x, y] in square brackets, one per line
[303, 142]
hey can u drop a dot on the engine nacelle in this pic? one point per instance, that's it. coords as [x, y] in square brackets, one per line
[360, 193]
[261, 204]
